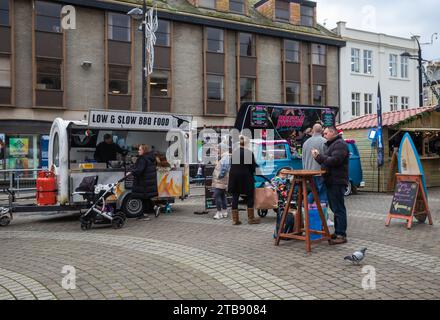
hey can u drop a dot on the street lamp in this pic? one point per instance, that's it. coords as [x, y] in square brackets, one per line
[140, 14]
[417, 57]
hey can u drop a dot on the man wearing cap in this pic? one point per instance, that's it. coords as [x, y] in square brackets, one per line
[107, 150]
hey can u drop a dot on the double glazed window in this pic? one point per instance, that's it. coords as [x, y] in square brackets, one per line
[393, 103]
[291, 51]
[215, 87]
[247, 89]
[368, 103]
[210, 4]
[47, 16]
[356, 104]
[237, 6]
[4, 12]
[215, 40]
[119, 80]
[163, 33]
[355, 60]
[319, 95]
[49, 74]
[319, 53]
[5, 71]
[393, 65]
[404, 67]
[405, 103]
[293, 92]
[160, 83]
[307, 16]
[368, 61]
[247, 44]
[119, 27]
[282, 11]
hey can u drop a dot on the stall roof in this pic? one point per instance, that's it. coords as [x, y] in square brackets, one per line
[389, 119]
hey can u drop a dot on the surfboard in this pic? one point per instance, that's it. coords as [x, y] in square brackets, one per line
[409, 160]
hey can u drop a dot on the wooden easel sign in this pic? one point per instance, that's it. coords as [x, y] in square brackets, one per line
[409, 200]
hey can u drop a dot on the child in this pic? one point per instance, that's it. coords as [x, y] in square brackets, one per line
[282, 185]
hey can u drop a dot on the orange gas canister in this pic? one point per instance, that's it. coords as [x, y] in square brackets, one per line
[46, 188]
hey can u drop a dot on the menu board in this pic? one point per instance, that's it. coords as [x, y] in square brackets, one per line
[404, 198]
[328, 118]
[209, 190]
[259, 117]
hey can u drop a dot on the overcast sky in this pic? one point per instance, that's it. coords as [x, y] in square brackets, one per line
[401, 18]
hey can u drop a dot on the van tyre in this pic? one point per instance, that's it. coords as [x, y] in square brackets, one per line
[348, 189]
[132, 207]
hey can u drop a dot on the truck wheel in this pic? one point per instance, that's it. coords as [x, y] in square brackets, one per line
[132, 207]
[348, 189]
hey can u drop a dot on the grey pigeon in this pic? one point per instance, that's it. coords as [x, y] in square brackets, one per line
[357, 256]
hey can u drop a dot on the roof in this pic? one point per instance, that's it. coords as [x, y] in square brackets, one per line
[182, 11]
[389, 119]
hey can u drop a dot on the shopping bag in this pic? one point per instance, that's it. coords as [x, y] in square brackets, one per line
[265, 199]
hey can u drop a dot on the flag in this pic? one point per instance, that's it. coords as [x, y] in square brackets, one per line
[379, 139]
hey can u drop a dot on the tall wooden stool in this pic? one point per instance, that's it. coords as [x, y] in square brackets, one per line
[301, 178]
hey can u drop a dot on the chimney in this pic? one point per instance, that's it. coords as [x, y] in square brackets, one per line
[340, 30]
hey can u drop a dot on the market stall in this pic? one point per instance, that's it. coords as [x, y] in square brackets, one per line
[423, 125]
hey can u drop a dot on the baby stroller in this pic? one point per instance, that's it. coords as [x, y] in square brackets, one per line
[100, 212]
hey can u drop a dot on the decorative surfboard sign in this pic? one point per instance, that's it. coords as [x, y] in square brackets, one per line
[409, 161]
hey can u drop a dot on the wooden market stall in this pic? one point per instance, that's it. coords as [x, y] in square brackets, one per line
[423, 124]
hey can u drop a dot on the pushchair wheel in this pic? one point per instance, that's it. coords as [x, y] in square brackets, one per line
[262, 213]
[5, 221]
[86, 225]
[156, 211]
[118, 222]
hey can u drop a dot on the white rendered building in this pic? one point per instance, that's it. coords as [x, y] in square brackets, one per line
[370, 58]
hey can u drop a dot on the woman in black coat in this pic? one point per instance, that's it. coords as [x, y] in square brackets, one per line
[241, 181]
[145, 177]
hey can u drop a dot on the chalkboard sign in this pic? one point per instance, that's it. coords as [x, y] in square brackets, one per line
[259, 117]
[328, 118]
[209, 190]
[404, 198]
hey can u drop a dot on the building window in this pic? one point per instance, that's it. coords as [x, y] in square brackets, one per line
[237, 6]
[355, 104]
[47, 16]
[355, 60]
[5, 71]
[119, 80]
[291, 51]
[393, 103]
[368, 103]
[319, 95]
[368, 61]
[4, 12]
[210, 4]
[160, 83]
[49, 74]
[318, 54]
[405, 103]
[404, 67]
[393, 65]
[247, 44]
[119, 27]
[215, 40]
[247, 89]
[293, 92]
[282, 10]
[215, 87]
[307, 16]
[163, 33]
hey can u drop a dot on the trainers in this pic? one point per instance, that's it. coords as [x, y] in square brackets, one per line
[218, 215]
[225, 213]
[338, 240]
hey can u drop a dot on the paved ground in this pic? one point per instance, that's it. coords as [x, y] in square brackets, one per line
[188, 256]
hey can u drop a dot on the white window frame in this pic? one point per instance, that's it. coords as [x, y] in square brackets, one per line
[355, 104]
[355, 60]
[394, 103]
[368, 61]
[368, 103]
[404, 103]
[404, 63]
[393, 65]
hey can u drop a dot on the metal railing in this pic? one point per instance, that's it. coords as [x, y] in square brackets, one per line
[19, 180]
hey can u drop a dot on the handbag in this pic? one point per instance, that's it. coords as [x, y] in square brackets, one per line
[265, 199]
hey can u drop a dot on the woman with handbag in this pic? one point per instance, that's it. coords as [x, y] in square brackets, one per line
[241, 181]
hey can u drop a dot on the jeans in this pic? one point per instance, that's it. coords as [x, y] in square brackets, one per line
[320, 188]
[220, 199]
[249, 199]
[335, 193]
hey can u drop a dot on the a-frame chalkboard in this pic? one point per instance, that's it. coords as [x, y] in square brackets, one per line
[409, 200]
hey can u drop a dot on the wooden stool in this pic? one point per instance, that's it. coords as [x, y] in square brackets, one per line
[301, 178]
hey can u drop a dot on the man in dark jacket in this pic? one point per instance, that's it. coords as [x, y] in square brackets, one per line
[335, 162]
[145, 177]
[107, 150]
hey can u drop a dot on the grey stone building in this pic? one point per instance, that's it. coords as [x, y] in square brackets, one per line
[62, 58]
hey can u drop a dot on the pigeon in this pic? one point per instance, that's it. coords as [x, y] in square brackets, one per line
[357, 256]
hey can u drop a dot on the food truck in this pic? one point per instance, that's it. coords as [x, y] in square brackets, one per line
[72, 145]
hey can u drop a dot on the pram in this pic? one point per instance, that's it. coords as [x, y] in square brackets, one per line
[100, 212]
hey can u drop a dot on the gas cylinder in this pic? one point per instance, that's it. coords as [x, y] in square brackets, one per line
[46, 188]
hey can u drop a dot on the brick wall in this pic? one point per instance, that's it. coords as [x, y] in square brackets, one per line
[267, 9]
[295, 13]
[222, 5]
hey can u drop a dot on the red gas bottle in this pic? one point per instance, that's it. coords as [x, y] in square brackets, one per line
[46, 188]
